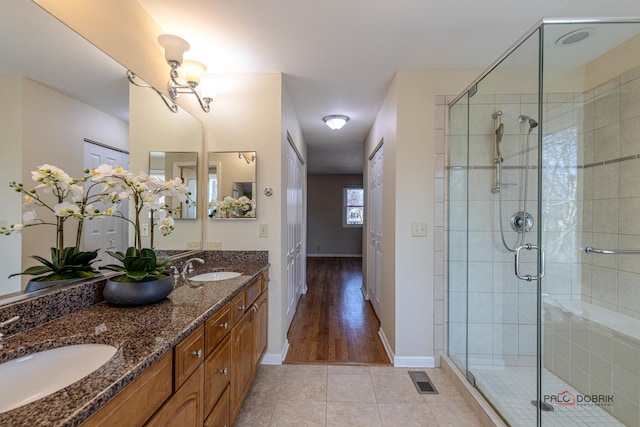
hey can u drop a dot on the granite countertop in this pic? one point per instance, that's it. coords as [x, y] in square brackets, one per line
[142, 335]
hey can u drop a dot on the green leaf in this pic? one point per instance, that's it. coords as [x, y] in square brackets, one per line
[44, 261]
[36, 270]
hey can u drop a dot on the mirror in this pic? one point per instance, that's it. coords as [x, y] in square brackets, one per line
[52, 110]
[166, 165]
[231, 183]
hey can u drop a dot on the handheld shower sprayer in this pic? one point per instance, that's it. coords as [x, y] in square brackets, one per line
[532, 123]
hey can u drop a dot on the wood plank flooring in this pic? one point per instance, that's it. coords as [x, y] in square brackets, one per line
[333, 323]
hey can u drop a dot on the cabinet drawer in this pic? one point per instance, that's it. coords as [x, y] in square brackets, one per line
[219, 417]
[184, 408]
[217, 327]
[134, 405]
[252, 291]
[217, 371]
[238, 308]
[188, 355]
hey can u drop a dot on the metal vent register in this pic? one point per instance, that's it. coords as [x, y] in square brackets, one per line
[422, 382]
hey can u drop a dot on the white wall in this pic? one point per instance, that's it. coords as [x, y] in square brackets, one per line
[407, 124]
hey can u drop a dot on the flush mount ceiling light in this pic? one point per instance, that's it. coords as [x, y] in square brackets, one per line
[335, 122]
[575, 36]
[174, 49]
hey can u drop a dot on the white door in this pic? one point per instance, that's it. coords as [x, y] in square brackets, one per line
[374, 254]
[109, 234]
[295, 217]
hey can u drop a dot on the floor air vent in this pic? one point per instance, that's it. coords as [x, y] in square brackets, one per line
[422, 382]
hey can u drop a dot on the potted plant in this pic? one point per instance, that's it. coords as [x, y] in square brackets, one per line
[144, 280]
[58, 197]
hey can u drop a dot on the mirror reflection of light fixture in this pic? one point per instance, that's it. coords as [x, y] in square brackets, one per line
[336, 121]
[174, 48]
[248, 156]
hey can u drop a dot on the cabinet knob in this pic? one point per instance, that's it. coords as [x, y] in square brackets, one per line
[241, 307]
[223, 371]
[197, 353]
[224, 325]
[254, 308]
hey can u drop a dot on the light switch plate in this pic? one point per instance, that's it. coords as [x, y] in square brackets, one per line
[418, 229]
[264, 230]
[144, 230]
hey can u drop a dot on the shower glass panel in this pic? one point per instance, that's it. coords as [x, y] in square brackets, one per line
[502, 206]
[458, 190]
[550, 180]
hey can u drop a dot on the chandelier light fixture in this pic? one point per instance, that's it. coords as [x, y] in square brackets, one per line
[335, 121]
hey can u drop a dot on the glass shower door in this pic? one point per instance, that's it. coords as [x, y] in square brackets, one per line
[503, 216]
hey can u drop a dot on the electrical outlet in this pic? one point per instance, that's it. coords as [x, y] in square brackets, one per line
[214, 246]
[264, 230]
[193, 245]
[144, 230]
[418, 229]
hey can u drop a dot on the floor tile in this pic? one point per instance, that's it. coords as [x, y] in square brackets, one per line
[416, 414]
[350, 388]
[340, 414]
[299, 414]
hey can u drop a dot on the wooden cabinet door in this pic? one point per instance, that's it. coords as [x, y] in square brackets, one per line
[242, 367]
[185, 407]
[217, 371]
[219, 417]
[261, 327]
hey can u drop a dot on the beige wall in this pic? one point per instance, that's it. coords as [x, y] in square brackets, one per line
[153, 127]
[11, 112]
[407, 124]
[613, 63]
[49, 127]
[326, 234]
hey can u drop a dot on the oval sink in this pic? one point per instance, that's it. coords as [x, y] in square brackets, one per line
[37, 375]
[214, 276]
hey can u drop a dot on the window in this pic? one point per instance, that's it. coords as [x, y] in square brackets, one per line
[353, 211]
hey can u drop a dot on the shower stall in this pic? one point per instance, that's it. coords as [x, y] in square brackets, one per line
[544, 227]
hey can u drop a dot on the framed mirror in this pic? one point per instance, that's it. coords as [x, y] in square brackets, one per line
[231, 183]
[177, 164]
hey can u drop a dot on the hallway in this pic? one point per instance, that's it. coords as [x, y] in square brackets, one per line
[333, 323]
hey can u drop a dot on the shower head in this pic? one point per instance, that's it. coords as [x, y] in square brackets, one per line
[532, 122]
[499, 132]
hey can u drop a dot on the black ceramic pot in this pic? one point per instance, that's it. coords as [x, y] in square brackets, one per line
[137, 293]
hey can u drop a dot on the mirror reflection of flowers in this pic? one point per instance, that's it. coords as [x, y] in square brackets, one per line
[230, 207]
[143, 191]
[58, 198]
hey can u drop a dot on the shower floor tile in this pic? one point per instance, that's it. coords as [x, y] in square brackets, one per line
[512, 388]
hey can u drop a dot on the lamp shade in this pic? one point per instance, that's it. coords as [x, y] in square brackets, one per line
[336, 122]
[192, 71]
[174, 47]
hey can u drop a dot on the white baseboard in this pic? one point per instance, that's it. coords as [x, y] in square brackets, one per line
[334, 255]
[386, 345]
[276, 358]
[414, 362]
[405, 362]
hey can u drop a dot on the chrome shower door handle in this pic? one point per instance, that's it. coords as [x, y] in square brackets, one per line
[528, 277]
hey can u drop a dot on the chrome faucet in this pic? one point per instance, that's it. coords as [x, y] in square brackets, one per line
[187, 267]
[6, 323]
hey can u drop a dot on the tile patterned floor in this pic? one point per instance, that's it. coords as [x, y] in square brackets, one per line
[328, 396]
[512, 388]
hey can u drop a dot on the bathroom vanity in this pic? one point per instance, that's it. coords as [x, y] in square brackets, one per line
[188, 360]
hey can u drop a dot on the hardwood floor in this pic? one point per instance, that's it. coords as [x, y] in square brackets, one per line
[333, 323]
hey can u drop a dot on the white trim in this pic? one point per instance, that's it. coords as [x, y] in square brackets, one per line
[276, 358]
[385, 343]
[414, 362]
[334, 255]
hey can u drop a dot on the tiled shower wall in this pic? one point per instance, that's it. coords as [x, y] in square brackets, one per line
[612, 193]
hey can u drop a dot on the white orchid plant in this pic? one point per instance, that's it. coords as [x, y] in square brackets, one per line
[229, 207]
[143, 191]
[61, 198]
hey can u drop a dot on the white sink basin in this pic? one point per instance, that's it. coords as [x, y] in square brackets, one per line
[214, 275]
[37, 375]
